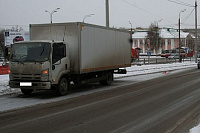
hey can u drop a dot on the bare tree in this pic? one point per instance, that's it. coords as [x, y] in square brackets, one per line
[153, 37]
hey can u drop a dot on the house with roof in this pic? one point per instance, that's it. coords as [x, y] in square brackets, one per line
[169, 40]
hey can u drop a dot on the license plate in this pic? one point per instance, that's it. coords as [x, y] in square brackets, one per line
[25, 84]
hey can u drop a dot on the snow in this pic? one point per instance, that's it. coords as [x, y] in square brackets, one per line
[131, 71]
[143, 72]
[140, 34]
[164, 33]
[195, 129]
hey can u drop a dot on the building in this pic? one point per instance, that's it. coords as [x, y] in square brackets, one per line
[169, 39]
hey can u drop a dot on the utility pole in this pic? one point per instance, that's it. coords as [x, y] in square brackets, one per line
[179, 27]
[157, 37]
[195, 47]
[107, 13]
[179, 38]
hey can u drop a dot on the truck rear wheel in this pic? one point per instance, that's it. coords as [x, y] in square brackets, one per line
[27, 91]
[108, 80]
[62, 87]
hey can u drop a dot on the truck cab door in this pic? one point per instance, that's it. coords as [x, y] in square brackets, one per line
[60, 62]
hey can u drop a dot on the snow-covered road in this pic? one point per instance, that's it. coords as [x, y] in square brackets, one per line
[131, 71]
[134, 74]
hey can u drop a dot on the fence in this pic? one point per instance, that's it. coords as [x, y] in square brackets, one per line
[154, 60]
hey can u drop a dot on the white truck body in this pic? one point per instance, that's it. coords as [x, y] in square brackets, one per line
[92, 48]
[91, 51]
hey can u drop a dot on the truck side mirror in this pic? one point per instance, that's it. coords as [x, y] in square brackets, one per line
[131, 40]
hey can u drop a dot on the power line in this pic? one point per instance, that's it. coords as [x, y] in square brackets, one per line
[140, 8]
[15, 25]
[185, 3]
[145, 10]
[188, 16]
[177, 1]
[181, 3]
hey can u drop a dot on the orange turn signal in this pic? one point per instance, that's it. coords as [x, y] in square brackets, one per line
[45, 72]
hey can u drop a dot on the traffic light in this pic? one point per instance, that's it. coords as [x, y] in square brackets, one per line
[148, 41]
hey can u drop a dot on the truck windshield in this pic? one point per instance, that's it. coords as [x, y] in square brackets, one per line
[30, 52]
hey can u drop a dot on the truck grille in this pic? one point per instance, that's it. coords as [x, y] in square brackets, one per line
[34, 77]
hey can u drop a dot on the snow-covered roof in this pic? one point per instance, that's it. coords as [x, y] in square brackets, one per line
[175, 33]
[140, 34]
[164, 33]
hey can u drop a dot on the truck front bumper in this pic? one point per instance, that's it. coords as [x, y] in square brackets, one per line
[30, 85]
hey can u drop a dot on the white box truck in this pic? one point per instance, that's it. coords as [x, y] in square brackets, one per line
[63, 53]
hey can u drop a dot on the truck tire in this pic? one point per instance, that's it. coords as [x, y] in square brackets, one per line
[198, 66]
[27, 91]
[62, 87]
[108, 80]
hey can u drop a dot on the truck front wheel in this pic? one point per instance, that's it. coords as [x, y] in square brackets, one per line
[62, 87]
[27, 91]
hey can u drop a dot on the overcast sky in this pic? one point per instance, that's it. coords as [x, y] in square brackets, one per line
[141, 13]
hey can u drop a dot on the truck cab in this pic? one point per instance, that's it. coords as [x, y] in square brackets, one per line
[38, 64]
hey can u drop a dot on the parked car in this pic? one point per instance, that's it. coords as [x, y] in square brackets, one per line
[173, 56]
[18, 38]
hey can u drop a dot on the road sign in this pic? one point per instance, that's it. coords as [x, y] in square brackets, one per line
[148, 53]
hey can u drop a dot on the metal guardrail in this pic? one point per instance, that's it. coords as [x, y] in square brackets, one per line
[154, 60]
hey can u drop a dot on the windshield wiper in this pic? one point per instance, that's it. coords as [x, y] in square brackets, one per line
[42, 50]
[15, 60]
[32, 60]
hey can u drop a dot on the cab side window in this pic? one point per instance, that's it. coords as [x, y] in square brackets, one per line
[59, 52]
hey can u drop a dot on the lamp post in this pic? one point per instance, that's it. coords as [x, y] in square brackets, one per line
[131, 39]
[86, 16]
[130, 24]
[131, 27]
[157, 36]
[195, 48]
[179, 25]
[51, 13]
[107, 13]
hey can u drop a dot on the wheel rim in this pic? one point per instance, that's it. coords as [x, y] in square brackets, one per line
[109, 79]
[63, 86]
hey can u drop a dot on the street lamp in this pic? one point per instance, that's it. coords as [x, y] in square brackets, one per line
[87, 16]
[179, 25]
[159, 22]
[157, 36]
[107, 13]
[51, 13]
[131, 39]
[131, 25]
